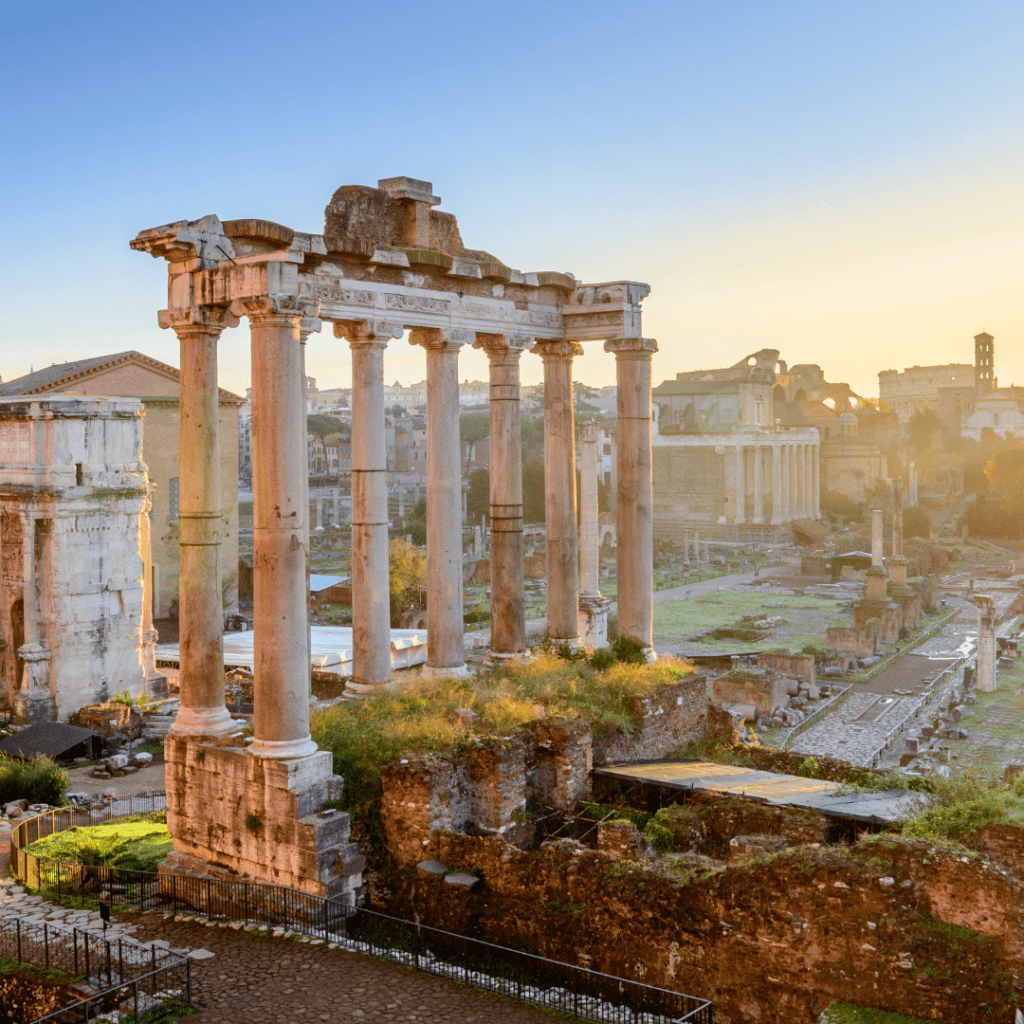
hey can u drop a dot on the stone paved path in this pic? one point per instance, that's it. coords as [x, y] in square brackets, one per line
[254, 979]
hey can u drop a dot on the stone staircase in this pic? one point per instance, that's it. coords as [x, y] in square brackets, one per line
[159, 723]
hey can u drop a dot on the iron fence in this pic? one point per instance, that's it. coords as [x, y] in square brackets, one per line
[585, 994]
[150, 998]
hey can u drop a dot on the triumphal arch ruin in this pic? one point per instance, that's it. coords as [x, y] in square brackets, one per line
[386, 264]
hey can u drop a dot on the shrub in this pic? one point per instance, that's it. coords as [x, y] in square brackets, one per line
[603, 658]
[628, 650]
[40, 781]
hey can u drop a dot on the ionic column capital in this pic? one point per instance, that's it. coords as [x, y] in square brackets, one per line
[309, 325]
[441, 339]
[558, 351]
[361, 333]
[197, 321]
[277, 310]
[503, 347]
[631, 348]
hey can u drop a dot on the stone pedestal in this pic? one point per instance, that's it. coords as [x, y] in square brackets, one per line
[34, 702]
[239, 818]
[875, 589]
[593, 621]
[898, 570]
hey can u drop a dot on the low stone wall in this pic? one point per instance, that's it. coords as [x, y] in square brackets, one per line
[904, 926]
[670, 718]
[860, 641]
[796, 666]
[764, 691]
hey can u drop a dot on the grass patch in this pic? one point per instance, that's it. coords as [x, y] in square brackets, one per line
[137, 843]
[964, 803]
[847, 1013]
[40, 781]
[367, 734]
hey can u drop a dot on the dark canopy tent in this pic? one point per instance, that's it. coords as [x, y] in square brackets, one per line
[56, 740]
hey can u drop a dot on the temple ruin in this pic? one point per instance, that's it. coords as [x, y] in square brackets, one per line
[387, 263]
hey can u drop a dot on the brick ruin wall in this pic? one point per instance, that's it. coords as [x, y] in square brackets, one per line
[895, 924]
[549, 761]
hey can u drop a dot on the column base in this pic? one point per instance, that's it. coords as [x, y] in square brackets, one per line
[283, 750]
[33, 709]
[444, 671]
[497, 659]
[156, 687]
[594, 621]
[203, 722]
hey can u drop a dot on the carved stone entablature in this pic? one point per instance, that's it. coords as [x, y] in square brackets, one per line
[611, 310]
[630, 293]
[203, 240]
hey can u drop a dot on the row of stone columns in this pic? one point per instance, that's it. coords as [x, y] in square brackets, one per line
[795, 487]
[278, 328]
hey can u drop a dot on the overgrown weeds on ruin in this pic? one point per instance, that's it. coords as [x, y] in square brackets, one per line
[365, 735]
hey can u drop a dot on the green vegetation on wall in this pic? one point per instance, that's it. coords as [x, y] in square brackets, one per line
[40, 781]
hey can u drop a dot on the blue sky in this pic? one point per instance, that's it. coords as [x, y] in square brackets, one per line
[838, 181]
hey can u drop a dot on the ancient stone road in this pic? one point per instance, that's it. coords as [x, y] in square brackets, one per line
[258, 980]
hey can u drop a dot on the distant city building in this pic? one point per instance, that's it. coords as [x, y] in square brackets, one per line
[950, 389]
[1000, 410]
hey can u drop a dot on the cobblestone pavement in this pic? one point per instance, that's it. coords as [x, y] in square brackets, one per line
[253, 979]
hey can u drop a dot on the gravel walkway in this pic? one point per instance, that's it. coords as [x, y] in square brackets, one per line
[254, 979]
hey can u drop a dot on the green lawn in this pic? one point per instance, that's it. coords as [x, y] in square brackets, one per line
[137, 843]
[807, 618]
[847, 1013]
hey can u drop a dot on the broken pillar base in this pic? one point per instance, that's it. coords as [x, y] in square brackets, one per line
[875, 588]
[594, 621]
[33, 708]
[496, 659]
[444, 671]
[240, 818]
[156, 687]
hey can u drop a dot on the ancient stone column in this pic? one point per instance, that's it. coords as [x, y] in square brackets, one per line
[809, 481]
[897, 563]
[741, 485]
[801, 481]
[816, 481]
[787, 512]
[371, 594]
[986, 674]
[508, 622]
[758, 484]
[635, 558]
[444, 492]
[319, 511]
[776, 484]
[794, 492]
[34, 702]
[589, 570]
[280, 513]
[200, 602]
[560, 491]
[156, 684]
[876, 537]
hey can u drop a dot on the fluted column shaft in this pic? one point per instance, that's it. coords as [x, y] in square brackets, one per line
[816, 481]
[589, 569]
[561, 545]
[371, 594]
[200, 521]
[635, 559]
[758, 484]
[776, 484]
[444, 503]
[741, 484]
[508, 602]
[784, 483]
[794, 492]
[280, 514]
[808, 481]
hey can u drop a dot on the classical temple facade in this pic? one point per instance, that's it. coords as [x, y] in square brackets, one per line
[724, 466]
[386, 264]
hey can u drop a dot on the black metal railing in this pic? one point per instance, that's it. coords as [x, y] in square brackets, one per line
[587, 995]
[150, 998]
[145, 979]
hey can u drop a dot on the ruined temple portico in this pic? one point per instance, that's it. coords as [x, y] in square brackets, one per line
[386, 263]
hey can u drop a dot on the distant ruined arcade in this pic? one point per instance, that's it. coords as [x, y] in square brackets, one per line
[386, 263]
